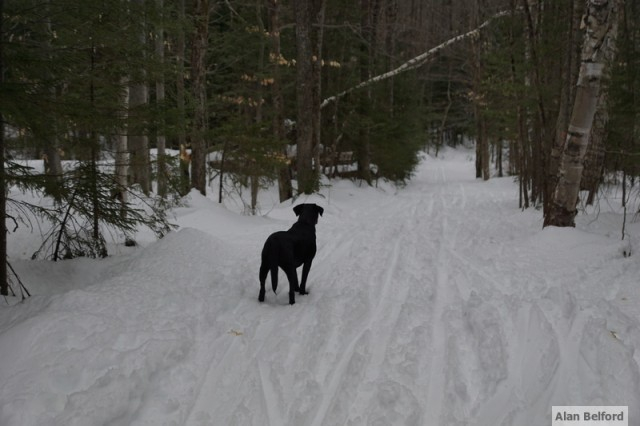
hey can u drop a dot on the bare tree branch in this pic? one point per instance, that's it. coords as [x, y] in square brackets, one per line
[416, 61]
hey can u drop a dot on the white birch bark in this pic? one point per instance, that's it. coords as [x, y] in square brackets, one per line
[416, 61]
[598, 50]
[122, 149]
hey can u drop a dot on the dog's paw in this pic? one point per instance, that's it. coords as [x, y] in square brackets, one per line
[303, 292]
[261, 296]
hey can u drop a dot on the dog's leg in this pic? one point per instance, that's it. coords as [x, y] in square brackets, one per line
[264, 269]
[293, 284]
[305, 273]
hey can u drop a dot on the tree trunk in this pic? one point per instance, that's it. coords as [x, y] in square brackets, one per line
[122, 150]
[307, 179]
[161, 139]
[366, 65]
[594, 157]
[520, 149]
[569, 74]
[180, 102]
[483, 160]
[536, 122]
[499, 158]
[317, 26]
[485, 148]
[96, 212]
[138, 139]
[284, 173]
[524, 148]
[4, 279]
[52, 158]
[254, 184]
[478, 152]
[198, 79]
[254, 178]
[598, 49]
[442, 137]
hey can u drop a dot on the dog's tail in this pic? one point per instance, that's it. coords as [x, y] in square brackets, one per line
[274, 277]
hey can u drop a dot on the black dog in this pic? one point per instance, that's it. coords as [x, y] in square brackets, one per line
[290, 249]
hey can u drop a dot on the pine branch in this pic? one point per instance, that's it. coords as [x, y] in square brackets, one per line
[63, 226]
[416, 61]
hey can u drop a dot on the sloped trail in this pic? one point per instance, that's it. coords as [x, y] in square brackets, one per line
[417, 315]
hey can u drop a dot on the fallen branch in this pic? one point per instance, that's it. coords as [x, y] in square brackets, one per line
[23, 289]
[417, 61]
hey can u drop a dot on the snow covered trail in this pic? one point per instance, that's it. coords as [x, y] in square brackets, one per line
[418, 315]
[436, 304]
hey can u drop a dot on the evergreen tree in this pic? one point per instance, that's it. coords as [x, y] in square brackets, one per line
[65, 89]
[623, 131]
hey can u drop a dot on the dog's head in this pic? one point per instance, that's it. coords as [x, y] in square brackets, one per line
[308, 213]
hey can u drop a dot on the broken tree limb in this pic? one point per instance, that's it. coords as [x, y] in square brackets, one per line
[416, 61]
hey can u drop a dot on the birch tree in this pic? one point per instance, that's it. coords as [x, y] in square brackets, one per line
[122, 148]
[416, 61]
[598, 49]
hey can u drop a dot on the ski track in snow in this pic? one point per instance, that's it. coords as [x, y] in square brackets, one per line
[421, 311]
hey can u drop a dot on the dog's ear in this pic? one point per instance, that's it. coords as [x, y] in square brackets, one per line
[319, 209]
[298, 209]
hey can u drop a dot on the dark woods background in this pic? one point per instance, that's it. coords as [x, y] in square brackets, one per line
[150, 98]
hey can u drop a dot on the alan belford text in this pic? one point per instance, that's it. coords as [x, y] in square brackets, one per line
[576, 415]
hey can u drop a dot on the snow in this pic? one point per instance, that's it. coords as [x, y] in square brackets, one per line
[439, 303]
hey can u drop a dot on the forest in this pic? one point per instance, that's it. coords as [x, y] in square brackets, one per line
[132, 104]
